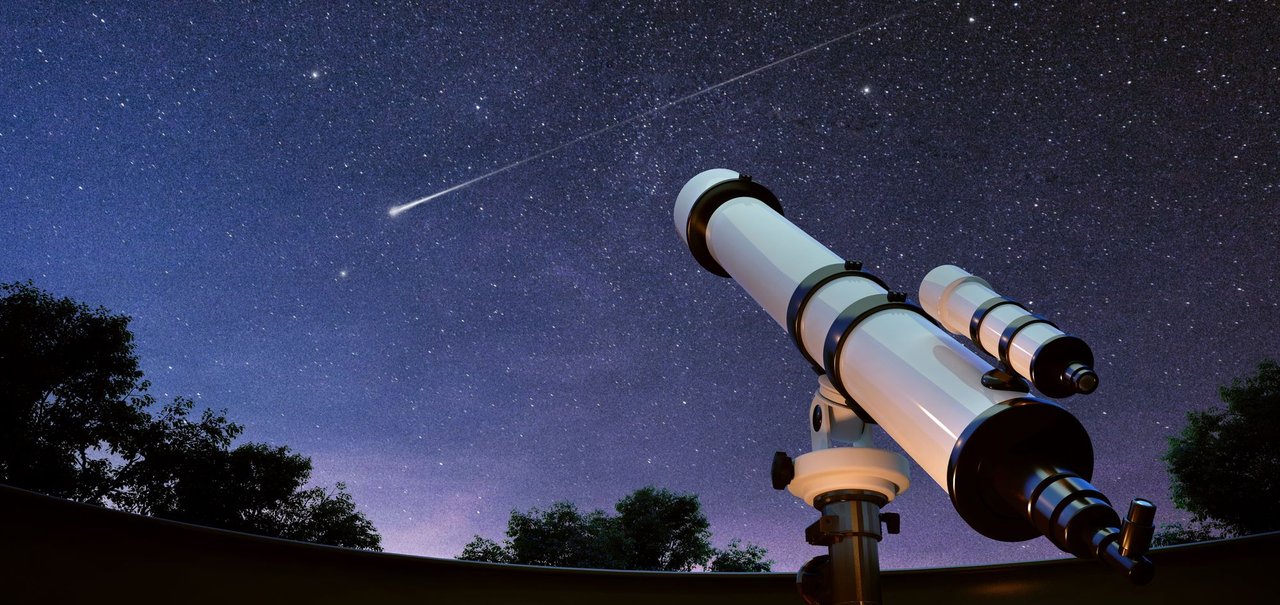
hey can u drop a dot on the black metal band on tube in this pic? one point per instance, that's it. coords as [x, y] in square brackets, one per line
[808, 287]
[979, 314]
[1011, 331]
[843, 326]
[707, 204]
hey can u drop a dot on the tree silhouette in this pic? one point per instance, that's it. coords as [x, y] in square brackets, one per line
[740, 558]
[655, 529]
[69, 393]
[663, 530]
[1225, 465]
[73, 423]
[560, 536]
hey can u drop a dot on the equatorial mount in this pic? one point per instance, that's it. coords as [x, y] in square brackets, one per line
[849, 481]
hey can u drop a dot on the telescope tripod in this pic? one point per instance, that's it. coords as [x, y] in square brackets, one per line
[848, 485]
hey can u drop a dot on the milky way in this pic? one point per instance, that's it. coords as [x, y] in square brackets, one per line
[222, 173]
[422, 200]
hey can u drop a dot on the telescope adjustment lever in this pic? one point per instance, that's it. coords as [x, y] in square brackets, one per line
[892, 523]
[782, 471]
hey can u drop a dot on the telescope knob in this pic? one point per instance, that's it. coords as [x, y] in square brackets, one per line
[782, 471]
[892, 522]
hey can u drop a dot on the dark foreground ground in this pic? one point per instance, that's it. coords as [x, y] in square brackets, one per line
[54, 551]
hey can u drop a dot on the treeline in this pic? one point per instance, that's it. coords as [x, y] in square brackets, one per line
[654, 529]
[76, 422]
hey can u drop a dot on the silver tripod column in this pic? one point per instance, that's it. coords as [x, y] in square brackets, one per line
[849, 485]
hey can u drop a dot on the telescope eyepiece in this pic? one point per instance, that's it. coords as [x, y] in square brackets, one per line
[1138, 528]
[1082, 378]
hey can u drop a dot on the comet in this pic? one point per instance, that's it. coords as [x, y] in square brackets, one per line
[402, 208]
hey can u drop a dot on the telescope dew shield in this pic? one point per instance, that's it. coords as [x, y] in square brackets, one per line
[1058, 364]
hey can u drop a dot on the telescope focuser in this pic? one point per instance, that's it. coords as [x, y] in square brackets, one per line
[1022, 469]
[1078, 519]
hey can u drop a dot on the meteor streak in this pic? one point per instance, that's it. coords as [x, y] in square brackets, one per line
[422, 200]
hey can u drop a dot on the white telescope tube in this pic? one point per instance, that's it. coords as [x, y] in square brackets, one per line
[1014, 466]
[918, 384]
[1059, 365]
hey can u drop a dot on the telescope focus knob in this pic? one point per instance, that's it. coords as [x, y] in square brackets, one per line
[782, 471]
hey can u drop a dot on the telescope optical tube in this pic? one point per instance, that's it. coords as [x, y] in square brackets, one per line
[1059, 365]
[1014, 466]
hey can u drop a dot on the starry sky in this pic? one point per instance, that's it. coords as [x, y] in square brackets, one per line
[222, 172]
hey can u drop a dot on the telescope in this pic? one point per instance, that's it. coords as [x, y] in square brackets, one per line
[1015, 466]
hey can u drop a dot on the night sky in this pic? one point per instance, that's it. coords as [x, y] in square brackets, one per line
[222, 172]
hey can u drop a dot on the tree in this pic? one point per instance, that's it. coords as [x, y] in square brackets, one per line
[659, 529]
[73, 423]
[740, 558]
[187, 471]
[326, 517]
[655, 529]
[484, 549]
[1177, 533]
[560, 536]
[1225, 465]
[70, 392]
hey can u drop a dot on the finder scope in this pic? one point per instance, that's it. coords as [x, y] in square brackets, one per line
[1029, 345]
[1014, 466]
